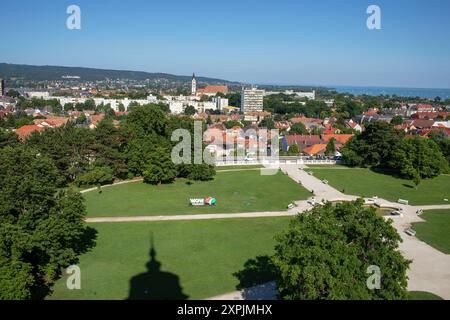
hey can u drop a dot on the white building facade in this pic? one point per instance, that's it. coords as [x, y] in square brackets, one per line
[252, 100]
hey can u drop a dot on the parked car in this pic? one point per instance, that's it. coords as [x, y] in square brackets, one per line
[291, 206]
[419, 212]
[410, 232]
[397, 213]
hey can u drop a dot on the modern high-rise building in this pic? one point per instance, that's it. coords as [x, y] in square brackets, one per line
[252, 100]
[194, 85]
[2, 87]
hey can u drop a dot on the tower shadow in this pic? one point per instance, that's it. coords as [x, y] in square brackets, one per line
[155, 284]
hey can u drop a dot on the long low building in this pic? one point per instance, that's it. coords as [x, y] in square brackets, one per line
[115, 103]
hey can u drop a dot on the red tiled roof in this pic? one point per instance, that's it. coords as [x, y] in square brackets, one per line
[302, 140]
[315, 149]
[26, 131]
[213, 89]
[430, 115]
[422, 124]
[305, 120]
[425, 106]
[341, 138]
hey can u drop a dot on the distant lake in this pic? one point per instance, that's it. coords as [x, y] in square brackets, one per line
[404, 92]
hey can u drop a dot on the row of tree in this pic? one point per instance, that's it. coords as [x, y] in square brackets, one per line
[141, 146]
[383, 146]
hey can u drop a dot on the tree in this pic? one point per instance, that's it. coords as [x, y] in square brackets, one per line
[190, 111]
[331, 147]
[68, 147]
[82, 119]
[42, 228]
[23, 121]
[13, 93]
[147, 127]
[397, 120]
[374, 146]
[96, 176]
[325, 254]
[8, 138]
[419, 157]
[267, 123]
[298, 128]
[442, 141]
[160, 168]
[293, 150]
[200, 172]
[232, 123]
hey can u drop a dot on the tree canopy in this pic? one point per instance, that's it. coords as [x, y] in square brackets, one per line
[325, 254]
[42, 228]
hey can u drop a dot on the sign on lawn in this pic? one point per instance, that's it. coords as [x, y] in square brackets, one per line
[201, 202]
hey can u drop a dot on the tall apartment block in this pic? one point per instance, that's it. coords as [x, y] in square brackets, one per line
[2, 87]
[252, 100]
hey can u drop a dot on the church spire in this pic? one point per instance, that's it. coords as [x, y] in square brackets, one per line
[194, 85]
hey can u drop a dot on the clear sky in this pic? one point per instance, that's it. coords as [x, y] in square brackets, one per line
[316, 42]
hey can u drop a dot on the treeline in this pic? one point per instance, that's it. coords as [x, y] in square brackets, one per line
[383, 146]
[141, 146]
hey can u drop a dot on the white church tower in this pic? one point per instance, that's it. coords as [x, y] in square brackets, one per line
[194, 85]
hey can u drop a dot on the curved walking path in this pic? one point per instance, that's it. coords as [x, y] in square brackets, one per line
[301, 206]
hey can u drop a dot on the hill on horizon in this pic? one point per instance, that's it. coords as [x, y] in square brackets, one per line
[52, 73]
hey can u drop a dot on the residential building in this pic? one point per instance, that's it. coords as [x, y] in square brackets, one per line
[38, 94]
[2, 87]
[26, 131]
[220, 102]
[252, 100]
[300, 94]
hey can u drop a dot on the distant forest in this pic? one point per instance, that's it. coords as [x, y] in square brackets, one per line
[51, 73]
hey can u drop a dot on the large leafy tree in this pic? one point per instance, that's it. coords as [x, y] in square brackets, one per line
[69, 148]
[41, 228]
[442, 141]
[374, 146]
[147, 128]
[325, 254]
[419, 157]
[108, 147]
[160, 168]
[8, 138]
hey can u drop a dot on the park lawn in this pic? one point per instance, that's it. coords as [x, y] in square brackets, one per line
[199, 256]
[367, 183]
[435, 230]
[241, 191]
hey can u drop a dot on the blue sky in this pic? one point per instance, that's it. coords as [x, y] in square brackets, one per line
[317, 42]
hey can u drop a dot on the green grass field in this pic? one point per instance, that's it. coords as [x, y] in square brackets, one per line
[197, 259]
[241, 191]
[241, 167]
[364, 182]
[435, 230]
